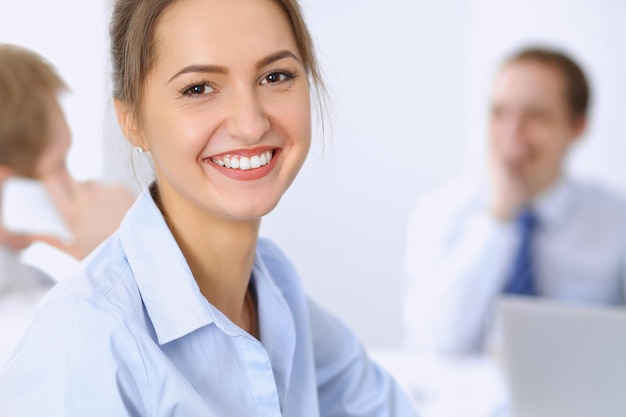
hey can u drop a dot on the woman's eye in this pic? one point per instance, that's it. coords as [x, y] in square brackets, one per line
[198, 90]
[276, 77]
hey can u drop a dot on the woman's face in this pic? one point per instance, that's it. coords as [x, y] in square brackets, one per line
[226, 109]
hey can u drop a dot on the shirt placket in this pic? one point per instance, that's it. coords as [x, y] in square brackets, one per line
[261, 377]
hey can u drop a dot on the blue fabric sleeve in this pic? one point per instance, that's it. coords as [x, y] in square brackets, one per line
[349, 383]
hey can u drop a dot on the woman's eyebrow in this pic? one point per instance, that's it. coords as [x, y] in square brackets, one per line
[208, 69]
[276, 57]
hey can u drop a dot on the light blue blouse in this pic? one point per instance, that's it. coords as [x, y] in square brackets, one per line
[131, 335]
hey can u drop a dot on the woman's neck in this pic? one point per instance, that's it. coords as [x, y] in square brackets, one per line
[220, 253]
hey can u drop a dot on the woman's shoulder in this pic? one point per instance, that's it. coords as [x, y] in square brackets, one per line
[93, 315]
[74, 346]
[104, 283]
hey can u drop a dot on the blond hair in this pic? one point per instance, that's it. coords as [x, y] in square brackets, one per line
[27, 81]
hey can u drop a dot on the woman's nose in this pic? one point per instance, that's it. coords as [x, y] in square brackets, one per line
[247, 121]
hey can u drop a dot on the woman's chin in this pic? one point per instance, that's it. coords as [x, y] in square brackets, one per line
[250, 209]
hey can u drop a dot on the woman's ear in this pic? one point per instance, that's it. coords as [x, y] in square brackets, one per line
[128, 124]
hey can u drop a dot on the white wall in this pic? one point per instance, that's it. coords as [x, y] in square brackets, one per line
[397, 81]
[408, 81]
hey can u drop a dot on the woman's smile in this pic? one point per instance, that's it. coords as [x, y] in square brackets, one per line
[245, 164]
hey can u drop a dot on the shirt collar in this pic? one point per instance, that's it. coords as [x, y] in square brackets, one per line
[553, 205]
[171, 296]
[173, 300]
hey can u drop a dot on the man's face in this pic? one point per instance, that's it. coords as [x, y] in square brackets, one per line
[531, 125]
[50, 165]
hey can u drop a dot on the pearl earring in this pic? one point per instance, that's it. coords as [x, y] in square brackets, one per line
[139, 149]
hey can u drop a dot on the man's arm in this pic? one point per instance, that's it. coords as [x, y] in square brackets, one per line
[456, 260]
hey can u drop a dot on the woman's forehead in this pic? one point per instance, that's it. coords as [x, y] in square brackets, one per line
[219, 32]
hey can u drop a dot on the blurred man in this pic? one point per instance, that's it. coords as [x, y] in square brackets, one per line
[530, 231]
[34, 141]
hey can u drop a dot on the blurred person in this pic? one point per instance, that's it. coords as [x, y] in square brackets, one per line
[530, 230]
[34, 141]
[184, 311]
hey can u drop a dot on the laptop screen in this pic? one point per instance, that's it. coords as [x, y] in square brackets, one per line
[563, 359]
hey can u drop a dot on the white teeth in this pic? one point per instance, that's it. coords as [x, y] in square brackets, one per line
[244, 162]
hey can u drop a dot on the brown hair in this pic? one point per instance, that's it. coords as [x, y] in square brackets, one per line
[27, 82]
[132, 32]
[577, 87]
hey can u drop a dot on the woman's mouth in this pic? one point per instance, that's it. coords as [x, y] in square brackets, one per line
[244, 162]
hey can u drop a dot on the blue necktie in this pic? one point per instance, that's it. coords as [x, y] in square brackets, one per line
[521, 280]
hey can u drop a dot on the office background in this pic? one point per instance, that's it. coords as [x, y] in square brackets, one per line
[408, 84]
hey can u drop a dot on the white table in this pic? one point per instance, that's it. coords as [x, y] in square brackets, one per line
[441, 386]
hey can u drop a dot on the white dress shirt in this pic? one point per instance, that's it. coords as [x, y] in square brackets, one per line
[132, 335]
[21, 288]
[458, 258]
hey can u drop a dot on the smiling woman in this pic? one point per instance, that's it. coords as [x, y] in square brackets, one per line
[185, 311]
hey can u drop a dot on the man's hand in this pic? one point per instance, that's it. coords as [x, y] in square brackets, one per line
[510, 189]
[92, 212]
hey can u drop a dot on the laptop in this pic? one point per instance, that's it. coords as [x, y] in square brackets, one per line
[562, 359]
